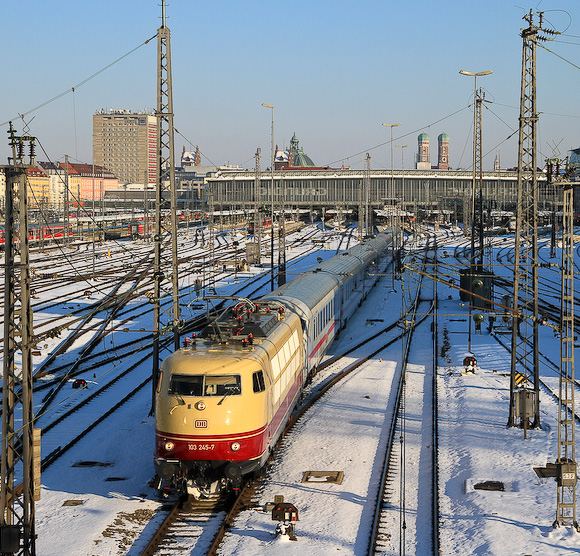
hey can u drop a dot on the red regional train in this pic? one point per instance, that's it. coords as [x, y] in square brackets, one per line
[46, 232]
[224, 398]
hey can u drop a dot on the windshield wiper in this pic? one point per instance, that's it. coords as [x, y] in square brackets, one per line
[179, 397]
[228, 393]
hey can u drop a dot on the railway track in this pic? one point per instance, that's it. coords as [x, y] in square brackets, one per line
[93, 411]
[393, 525]
[246, 497]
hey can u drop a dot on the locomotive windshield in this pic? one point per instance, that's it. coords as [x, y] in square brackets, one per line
[205, 385]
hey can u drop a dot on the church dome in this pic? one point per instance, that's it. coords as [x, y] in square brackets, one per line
[423, 137]
[443, 137]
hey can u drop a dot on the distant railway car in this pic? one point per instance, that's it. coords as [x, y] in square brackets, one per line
[266, 224]
[46, 232]
[223, 399]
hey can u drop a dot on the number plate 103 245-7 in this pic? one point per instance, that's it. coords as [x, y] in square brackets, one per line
[200, 447]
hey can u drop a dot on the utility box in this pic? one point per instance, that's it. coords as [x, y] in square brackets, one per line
[253, 253]
[476, 282]
[525, 402]
[9, 539]
[566, 474]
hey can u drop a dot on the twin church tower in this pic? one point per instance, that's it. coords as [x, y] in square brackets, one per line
[423, 160]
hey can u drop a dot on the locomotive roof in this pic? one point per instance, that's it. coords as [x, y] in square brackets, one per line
[257, 324]
[231, 338]
[220, 359]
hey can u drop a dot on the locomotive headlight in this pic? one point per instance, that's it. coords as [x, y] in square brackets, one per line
[200, 406]
[169, 446]
[235, 446]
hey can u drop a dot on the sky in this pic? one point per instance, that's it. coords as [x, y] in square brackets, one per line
[333, 70]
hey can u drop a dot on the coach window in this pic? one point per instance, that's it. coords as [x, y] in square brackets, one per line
[258, 380]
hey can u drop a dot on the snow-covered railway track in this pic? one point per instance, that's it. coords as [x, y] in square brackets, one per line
[410, 466]
[189, 525]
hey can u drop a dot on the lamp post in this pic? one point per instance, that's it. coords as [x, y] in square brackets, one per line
[476, 165]
[392, 166]
[272, 200]
[477, 169]
[391, 193]
[402, 147]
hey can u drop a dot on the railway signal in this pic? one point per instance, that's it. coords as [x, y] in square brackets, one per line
[286, 515]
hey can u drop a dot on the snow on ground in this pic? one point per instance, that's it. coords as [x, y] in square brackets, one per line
[343, 434]
[474, 446]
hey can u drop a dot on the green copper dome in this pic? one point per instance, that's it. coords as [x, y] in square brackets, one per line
[423, 137]
[443, 137]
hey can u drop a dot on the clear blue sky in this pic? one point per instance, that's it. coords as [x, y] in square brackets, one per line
[334, 71]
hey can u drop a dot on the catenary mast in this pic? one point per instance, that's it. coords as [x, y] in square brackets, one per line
[20, 446]
[165, 238]
[525, 382]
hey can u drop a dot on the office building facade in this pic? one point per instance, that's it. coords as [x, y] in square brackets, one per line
[125, 143]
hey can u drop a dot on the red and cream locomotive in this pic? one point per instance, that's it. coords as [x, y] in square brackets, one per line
[224, 397]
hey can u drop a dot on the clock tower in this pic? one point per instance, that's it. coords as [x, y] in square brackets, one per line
[443, 158]
[423, 159]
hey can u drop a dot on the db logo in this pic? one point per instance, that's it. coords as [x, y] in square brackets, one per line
[200, 424]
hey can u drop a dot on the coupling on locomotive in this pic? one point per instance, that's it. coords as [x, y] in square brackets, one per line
[223, 399]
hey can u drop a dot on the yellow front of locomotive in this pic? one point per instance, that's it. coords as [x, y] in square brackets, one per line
[212, 414]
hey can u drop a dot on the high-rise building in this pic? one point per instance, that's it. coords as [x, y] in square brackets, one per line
[125, 142]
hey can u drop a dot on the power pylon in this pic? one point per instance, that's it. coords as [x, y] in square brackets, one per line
[524, 408]
[165, 202]
[20, 451]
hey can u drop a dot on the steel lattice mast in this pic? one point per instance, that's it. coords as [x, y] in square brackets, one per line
[257, 206]
[566, 501]
[166, 198]
[17, 529]
[477, 217]
[524, 382]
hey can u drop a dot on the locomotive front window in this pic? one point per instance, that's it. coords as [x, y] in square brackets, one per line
[186, 385]
[221, 385]
[205, 385]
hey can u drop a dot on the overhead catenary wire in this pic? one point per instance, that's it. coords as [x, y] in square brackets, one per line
[83, 82]
[74, 197]
[364, 151]
[558, 56]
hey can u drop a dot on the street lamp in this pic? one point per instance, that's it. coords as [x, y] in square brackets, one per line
[402, 147]
[391, 194]
[476, 168]
[392, 166]
[272, 200]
